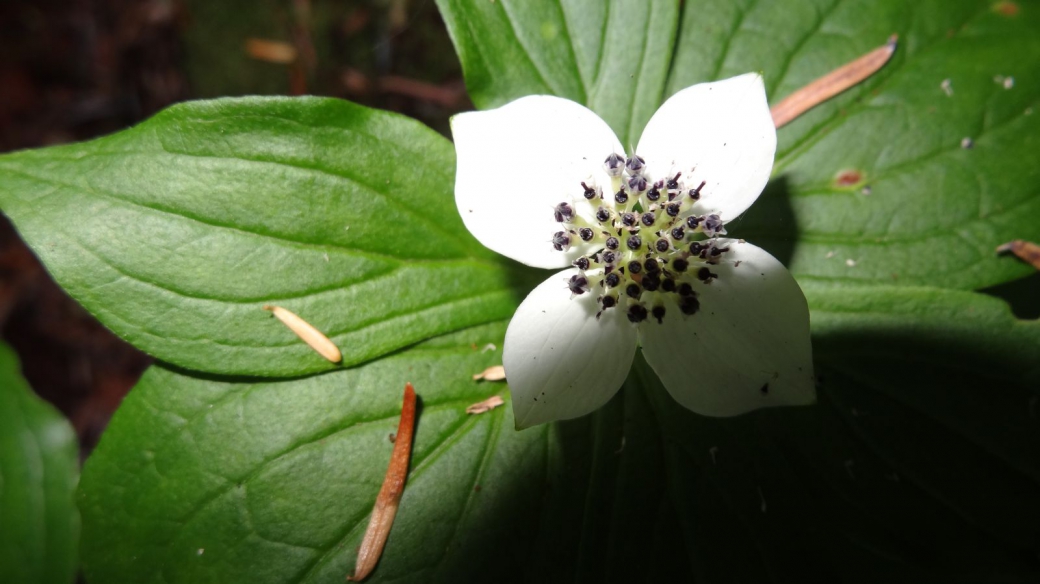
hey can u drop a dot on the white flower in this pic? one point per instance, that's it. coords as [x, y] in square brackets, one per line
[544, 181]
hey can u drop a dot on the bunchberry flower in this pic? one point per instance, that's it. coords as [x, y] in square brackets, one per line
[544, 181]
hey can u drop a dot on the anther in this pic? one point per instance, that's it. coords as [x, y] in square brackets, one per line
[590, 192]
[635, 165]
[685, 289]
[693, 221]
[704, 274]
[561, 240]
[635, 267]
[612, 243]
[672, 209]
[629, 219]
[673, 183]
[633, 243]
[658, 313]
[662, 245]
[637, 183]
[608, 301]
[696, 248]
[582, 263]
[689, 305]
[563, 212]
[717, 251]
[651, 266]
[713, 225]
[651, 282]
[648, 219]
[680, 265]
[609, 257]
[586, 234]
[654, 193]
[633, 290]
[612, 280]
[602, 215]
[695, 194]
[678, 233]
[614, 165]
[578, 284]
[636, 313]
[621, 196]
[668, 285]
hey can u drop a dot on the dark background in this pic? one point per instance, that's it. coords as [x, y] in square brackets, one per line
[73, 70]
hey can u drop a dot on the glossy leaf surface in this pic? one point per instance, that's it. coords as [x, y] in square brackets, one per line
[177, 232]
[39, 467]
[907, 466]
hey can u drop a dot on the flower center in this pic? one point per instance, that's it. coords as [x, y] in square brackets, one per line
[649, 243]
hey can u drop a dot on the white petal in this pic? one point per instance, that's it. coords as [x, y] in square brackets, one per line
[720, 133]
[517, 162]
[561, 361]
[746, 348]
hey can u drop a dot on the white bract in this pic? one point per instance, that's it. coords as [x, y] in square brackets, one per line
[544, 181]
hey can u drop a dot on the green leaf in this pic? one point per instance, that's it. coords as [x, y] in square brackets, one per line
[908, 468]
[39, 465]
[611, 56]
[175, 233]
[203, 480]
[935, 211]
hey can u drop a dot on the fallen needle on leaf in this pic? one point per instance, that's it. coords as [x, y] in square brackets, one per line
[1026, 251]
[389, 497]
[306, 331]
[832, 83]
[486, 405]
[493, 373]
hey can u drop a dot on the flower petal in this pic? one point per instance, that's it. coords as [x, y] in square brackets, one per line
[517, 162]
[720, 133]
[748, 345]
[561, 361]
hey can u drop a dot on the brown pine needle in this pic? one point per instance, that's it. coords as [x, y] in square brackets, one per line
[1026, 251]
[832, 84]
[389, 497]
[306, 331]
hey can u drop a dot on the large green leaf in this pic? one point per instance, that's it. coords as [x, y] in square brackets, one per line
[935, 211]
[39, 465]
[907, 469]
[613, 56]
[175, 233]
